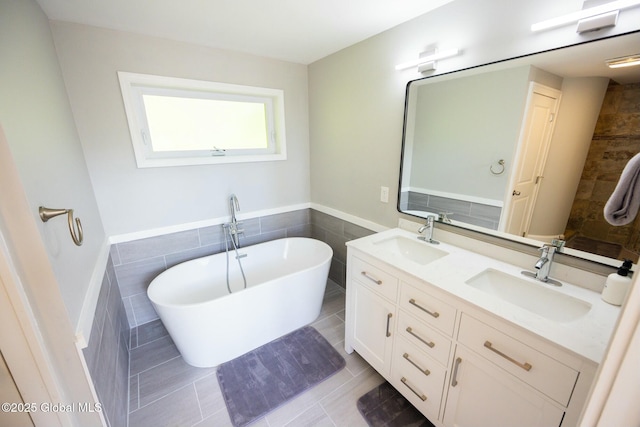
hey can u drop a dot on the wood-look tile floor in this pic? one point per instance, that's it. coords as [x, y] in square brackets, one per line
[165, 391]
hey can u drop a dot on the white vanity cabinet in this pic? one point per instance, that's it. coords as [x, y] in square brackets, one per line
[401, 331]
[459, 365]
[498, 380]
[422, 348]
[419, 378]
[372, 314]
[481, 394]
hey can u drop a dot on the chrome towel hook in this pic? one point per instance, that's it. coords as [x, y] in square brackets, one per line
[501, 164]
[46, 214]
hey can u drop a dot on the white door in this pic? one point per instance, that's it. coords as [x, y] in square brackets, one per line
[43, 360]
[373, 328]
[483, 395]
[531, 156]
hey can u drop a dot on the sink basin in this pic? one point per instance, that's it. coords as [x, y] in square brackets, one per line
[530, 295]
[414, 250]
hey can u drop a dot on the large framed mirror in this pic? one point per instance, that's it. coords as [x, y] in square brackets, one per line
[529, 148]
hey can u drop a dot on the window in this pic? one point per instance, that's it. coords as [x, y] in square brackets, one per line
[190, 122]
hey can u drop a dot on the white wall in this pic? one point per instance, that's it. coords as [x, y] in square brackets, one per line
[39, 127]
[491, 106]
[357, 97]
[131, 199]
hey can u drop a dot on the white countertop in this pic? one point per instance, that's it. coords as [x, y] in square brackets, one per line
[587, 336]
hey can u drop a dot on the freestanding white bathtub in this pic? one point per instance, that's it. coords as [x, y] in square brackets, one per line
[286, 280]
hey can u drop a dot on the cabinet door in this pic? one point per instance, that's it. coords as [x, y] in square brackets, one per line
[481, 394]
[373, 327]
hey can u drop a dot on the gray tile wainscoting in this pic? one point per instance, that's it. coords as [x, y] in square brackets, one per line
[470, 212]
[336, 232]
[107, 353]
[138, 262]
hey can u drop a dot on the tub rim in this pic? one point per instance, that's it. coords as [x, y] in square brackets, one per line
[197, 304]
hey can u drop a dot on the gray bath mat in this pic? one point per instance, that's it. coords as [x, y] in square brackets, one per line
[258, 382]
[384, 406]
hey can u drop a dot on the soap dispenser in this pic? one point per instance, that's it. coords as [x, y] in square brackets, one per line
[618, 284]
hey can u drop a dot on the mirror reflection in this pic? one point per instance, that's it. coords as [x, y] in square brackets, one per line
[530, 147]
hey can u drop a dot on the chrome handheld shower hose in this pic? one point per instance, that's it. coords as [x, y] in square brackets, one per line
[228, 236]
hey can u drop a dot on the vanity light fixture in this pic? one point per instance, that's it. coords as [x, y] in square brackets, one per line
[598, 22]
[624, 61]
[593, 18]
[427, 60]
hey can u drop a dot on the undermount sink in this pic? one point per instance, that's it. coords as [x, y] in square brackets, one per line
[417, 251]
[530, 295]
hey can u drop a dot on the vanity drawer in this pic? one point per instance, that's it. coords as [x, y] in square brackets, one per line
[418, 377]
[540, 371]
[428, 309]
[375, 278]
[424, 337]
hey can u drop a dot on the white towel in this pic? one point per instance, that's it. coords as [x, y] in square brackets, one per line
[622, 206]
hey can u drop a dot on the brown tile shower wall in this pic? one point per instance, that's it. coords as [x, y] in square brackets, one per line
[615, 141]
[107, 354]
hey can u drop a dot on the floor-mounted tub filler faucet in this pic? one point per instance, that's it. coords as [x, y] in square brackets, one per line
[234, 206]
[429, 228]
[234, 225]
[232, 232]
[543, 265]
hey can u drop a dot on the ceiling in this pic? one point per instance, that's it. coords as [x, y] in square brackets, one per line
[300, 31]
[588, 59]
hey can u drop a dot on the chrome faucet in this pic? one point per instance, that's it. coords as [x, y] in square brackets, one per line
[543, 265]
[442, 217]
[429, 227]
[233, 226]
[233, 206]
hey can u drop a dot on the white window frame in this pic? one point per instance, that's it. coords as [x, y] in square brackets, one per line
[134, 86]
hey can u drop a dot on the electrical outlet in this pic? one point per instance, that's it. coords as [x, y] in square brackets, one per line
[384, 194]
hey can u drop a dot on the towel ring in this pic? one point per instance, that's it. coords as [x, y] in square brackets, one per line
[46, 214]
[501, 171]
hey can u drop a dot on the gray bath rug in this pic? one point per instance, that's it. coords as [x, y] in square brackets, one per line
[384, 406]
[258, 382]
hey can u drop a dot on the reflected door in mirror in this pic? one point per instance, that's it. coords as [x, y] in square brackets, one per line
[535, 139]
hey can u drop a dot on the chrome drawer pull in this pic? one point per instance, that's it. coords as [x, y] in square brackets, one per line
[454, 377]
[421, 396]
[430, 343]
[389, 316]
[526, 366]
[370, 277]
[432, 313]
[424, 371]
